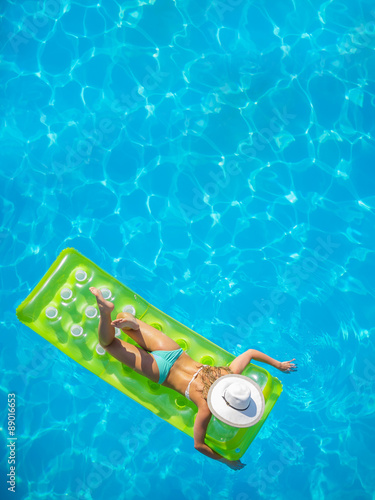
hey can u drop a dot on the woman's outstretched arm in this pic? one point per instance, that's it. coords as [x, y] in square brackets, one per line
[240, 363]
[200, 428]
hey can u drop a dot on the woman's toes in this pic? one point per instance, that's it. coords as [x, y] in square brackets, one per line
[95, 291]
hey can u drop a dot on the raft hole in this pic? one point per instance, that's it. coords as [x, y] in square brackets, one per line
[76, 330]
[153, 386]
[100, 350]
[183, 344]
[81, 275]
[51, 312]
[129, 309]
[66, 293]
[180, 402]
[207, 360]
[91, 312]
[106, 292]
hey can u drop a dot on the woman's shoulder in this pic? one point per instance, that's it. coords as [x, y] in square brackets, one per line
[200, 402]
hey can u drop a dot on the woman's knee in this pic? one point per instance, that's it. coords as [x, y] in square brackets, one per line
[125, 315]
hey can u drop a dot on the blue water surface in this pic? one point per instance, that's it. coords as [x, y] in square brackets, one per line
[216, 156]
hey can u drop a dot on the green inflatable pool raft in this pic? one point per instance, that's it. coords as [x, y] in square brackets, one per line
[63, 311]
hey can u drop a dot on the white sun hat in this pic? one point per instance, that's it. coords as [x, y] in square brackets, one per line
[236, 400]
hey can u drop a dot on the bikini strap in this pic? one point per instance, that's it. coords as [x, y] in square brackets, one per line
[187, 392]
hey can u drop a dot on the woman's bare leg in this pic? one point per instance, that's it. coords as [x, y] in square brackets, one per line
[135, 357]
[106, 330]
[148, 337]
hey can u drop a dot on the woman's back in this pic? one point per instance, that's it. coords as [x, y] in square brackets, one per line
[181, 374]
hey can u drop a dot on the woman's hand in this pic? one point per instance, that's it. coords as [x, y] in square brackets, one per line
[288, 366]
[233, 464]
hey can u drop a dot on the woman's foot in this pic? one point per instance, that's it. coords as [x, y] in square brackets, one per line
[104, 305]
[126, 322]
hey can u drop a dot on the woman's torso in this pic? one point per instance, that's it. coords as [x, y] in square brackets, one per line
[181, 374]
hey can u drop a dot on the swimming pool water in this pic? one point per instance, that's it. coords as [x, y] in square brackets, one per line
[217, 157]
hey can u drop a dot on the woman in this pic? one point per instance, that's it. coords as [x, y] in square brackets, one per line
[160, 359]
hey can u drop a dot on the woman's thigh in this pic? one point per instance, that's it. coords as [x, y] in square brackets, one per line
[150, 338]
[135, 357]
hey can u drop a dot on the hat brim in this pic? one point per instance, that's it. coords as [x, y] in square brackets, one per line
[229, 415]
